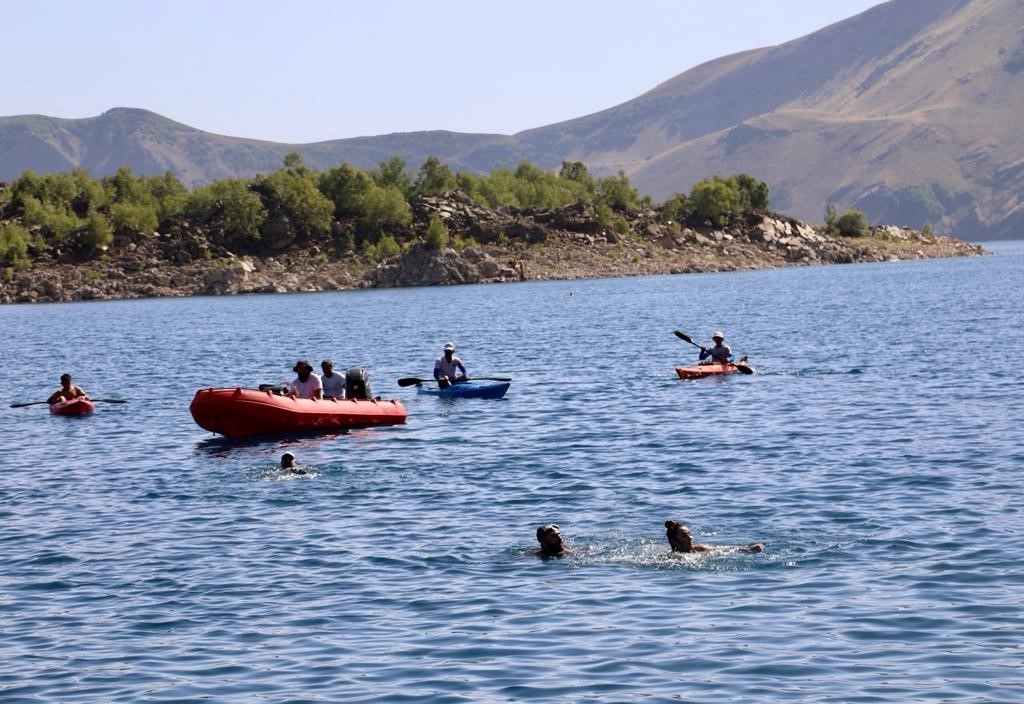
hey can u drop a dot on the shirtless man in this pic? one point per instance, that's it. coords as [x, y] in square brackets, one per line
[67, 391]
[550, 538]
[681, 541]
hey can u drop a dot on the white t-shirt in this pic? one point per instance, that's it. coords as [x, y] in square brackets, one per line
[305, 389]
[334, 385]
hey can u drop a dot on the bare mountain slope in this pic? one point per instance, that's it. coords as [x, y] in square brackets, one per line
[909, 111]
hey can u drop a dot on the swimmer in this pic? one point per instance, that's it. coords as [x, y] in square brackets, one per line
[681, 541]
[550, 538]
[288, 464]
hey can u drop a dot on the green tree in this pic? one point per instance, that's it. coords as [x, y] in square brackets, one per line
[14, 241]
[141, 217]
[576, 171]
[434, 178]
[715, 200]
[852, 223]
[616, 192]
[240, 211]
[384, 208]
[675, 207]
[437, 233]
[754, 193]
[345, 186]
[302, 201]
[830, 217]
[392, 173]
[98, 232]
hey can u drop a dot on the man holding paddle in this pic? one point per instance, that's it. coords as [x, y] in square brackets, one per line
[67, 391]
[447, 368]
[721, 352]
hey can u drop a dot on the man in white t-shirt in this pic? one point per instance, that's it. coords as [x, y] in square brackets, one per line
[306, 384]
[334, 384]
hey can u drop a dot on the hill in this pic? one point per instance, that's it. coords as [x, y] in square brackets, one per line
[909, 112]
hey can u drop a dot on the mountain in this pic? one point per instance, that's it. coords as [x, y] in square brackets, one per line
[909, 111]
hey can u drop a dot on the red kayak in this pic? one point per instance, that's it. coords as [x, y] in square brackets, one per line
[72, 407]
[699, 371]
[240, 412]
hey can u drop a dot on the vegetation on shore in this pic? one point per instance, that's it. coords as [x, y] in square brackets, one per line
[364, 212]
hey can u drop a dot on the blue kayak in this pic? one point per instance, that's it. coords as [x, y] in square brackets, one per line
[468, 389]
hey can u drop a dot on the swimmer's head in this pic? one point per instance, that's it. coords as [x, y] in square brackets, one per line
[287, 460]
[550, 538]
[678, 536]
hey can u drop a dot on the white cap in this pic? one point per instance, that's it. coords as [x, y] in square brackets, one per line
[449, 347]
[718, 335]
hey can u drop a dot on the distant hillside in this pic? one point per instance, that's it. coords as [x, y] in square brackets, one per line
[909, 111]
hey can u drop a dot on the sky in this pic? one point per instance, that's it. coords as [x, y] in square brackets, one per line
[309, 71]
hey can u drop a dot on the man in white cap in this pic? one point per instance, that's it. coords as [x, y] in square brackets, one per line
[721, 352]
[447, 368]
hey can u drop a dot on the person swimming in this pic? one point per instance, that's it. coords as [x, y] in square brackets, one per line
[550, 538]
[681, 541]
[288, 464]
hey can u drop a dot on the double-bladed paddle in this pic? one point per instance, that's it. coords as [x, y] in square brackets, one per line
[36, 403]
[410, 380]
[742, 368]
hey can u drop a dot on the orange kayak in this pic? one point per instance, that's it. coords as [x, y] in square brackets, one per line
[699, 371]
[240, 412]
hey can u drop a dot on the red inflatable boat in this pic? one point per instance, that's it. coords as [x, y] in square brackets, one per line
[240, 412]
[72, 407]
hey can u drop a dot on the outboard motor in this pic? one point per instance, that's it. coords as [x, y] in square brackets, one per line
[357, 383]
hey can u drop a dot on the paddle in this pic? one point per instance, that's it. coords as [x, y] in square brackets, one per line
[410, 380]
[743, 368]
[36, 403]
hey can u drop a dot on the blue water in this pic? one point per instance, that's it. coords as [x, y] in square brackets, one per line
[878, 452]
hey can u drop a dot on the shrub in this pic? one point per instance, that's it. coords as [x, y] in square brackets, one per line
[136, 216]
[852, 223]
[437, 233]
[388, 247]
[345, 187]
[57, 220]
[616, 192]
[392, 173]
[753, 193]
[675, 207]
[715, 200]
[14, 241]
[98, 232]
[434, 178]
[240, 210]
[926, 229]
[384, 208]
[302, 201]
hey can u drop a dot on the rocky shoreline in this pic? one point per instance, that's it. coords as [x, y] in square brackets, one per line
[504, 245]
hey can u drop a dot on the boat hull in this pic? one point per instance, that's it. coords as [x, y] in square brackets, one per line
[700, 371]
[468, 389]
[74, 407]
[238, 413]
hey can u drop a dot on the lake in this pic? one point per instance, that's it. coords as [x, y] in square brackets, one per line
[877, 451]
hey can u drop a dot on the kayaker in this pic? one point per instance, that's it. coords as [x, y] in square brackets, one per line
[333, 384]
[550, 538]
[721, 352]
[67, 391]
[288, 464]
[447, 368]
[681, 541]
[306, 384]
